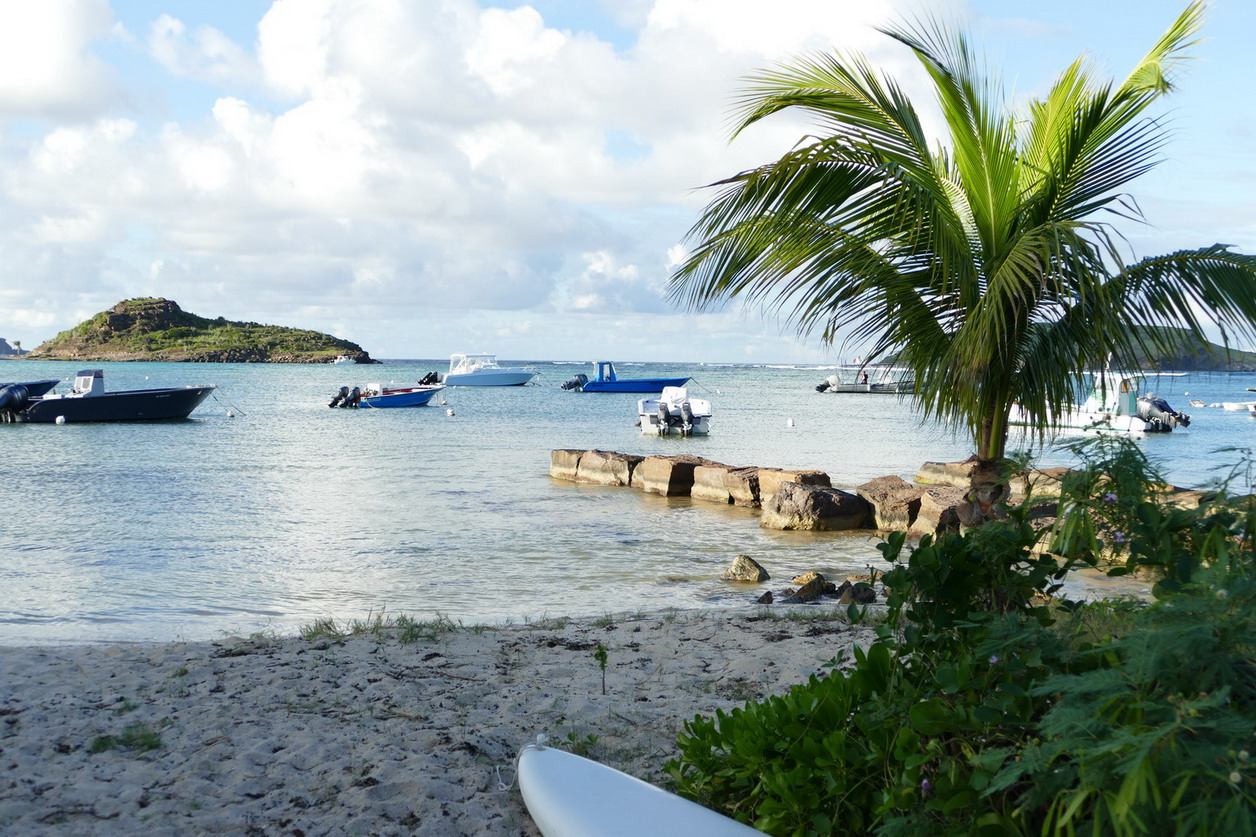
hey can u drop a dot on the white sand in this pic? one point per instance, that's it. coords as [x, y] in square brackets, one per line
[368, 735]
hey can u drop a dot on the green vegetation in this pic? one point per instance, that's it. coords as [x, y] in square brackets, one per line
[158, 329]
[989, 706]
[139, 737]
[986, 263]
[406, 628]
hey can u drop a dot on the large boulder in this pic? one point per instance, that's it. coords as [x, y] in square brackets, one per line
[957, 474]
[563, 464]
[745, 568]
[671, 476]
[726, 484]
[939, 511]
[607, 467]
[770, 479]
[814, 508]
[895, 502]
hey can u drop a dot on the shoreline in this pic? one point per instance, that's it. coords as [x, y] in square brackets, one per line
[369, 734]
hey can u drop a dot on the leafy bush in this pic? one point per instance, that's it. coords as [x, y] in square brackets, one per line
[987, 707]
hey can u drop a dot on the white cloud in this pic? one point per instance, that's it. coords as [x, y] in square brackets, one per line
[46, 68]
[394, 162]
[204, 53]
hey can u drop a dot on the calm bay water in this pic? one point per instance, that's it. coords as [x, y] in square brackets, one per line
[290, 511]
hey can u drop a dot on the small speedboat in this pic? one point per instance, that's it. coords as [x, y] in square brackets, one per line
[378, 395]
[343, 359]
[1113, 405]
[605, 380]
[675, 413]
[483, 371]
[88, 401]
[885, 382]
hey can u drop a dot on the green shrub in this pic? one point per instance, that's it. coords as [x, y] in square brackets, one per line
[987, 707]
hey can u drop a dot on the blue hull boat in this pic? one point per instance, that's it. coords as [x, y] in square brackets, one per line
[380, 396]
[608, 381]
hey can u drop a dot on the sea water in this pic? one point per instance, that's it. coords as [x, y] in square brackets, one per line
[267, 510]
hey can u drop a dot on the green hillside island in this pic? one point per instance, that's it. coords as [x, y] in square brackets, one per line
[1198, 356]
[158, 329]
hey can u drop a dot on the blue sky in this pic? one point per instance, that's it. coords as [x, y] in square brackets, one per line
[429, 177]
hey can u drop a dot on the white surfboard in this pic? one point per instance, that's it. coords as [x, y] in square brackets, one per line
[571, 796]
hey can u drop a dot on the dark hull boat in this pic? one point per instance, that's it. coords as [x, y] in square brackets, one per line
[88, 401]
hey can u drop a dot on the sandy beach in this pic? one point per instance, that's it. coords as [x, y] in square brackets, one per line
[369, 734]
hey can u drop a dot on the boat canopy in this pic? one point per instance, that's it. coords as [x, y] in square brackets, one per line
[605, 370]
[461, 364]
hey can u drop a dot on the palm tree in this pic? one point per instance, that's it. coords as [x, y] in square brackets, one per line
[986, 264]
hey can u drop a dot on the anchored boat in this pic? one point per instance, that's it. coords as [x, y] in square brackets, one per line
[858, 381]
[378, 395]
[483, 371]
[1114, 405]
[675, 413]
[605, 380]
[88, 401]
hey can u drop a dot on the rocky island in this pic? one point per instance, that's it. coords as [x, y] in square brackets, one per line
[158, 329]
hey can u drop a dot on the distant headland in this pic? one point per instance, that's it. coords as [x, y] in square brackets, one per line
[158, 329]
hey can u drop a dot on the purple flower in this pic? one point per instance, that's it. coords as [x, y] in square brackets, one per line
[926, 785]
[994, 659]
[1109, 497]
[1118, 537]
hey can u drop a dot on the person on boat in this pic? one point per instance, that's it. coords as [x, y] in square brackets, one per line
[864, 380]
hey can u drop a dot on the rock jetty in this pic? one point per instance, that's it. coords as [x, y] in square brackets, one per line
[805, 500]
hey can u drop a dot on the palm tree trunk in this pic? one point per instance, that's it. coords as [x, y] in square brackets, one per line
[989, 481]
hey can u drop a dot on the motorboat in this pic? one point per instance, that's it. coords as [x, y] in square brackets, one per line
[483, 371]
[87, 400]
[675, 413]
[605, 380]
[378, 395]
[1114, 405]
[858, 381]
[343, 359]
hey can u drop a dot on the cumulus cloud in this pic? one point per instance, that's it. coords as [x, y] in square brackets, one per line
[47, 69]
[392, 162]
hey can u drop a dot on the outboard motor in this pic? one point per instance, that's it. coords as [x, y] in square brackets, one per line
[577, 383]
[12, 397]
[1157, 412]
[339, 397]
[664, 417]
[12, 401]
[429, 379]
[686, 419]
[352, 399]
[822, 387]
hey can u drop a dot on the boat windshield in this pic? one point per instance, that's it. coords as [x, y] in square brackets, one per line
[470, 363]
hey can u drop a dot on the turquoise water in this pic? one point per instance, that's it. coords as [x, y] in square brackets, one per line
[289, 511]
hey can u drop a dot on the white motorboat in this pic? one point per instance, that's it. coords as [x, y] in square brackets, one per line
[674, 413]
[1114, 405]
[483, 371]
[886, 380]
[343, 359]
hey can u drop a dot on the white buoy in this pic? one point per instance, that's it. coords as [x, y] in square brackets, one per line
[450, 411]
[789, 422]
[60, 419]
[230, 414]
